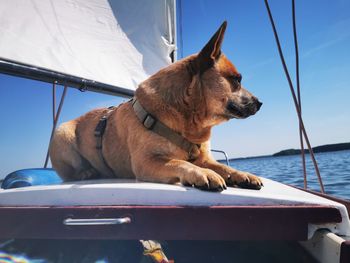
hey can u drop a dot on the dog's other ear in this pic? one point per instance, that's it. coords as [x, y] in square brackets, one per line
[212, 50]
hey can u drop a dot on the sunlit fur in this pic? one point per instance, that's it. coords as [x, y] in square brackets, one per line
[190, 97]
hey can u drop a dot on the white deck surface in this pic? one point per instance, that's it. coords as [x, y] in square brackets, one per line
[129, 192]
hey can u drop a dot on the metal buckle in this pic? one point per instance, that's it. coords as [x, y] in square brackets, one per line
[149, 122]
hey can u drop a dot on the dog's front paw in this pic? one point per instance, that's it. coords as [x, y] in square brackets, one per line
[204, 179]
[244, 180]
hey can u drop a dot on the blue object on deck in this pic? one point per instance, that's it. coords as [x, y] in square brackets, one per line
[31, 177]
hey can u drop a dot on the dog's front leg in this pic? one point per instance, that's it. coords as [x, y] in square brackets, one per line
[233, 176]
[173, 170]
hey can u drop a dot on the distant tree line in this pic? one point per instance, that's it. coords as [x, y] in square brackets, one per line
[318, 149]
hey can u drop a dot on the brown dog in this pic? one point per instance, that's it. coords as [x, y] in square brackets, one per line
[189, 97]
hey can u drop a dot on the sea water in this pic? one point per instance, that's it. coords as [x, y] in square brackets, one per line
[334, 169]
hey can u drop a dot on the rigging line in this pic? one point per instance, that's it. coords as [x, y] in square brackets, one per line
[53, 102]
[298, 92]
[55, 124]
[180, 29]
[296, 104]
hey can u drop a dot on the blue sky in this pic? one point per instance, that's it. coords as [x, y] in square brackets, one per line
[324, 41]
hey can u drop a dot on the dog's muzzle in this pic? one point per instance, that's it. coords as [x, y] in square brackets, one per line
[241, 111]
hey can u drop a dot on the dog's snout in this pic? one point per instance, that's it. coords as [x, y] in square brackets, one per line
[258, 104]
[245, 100]
[232, 107]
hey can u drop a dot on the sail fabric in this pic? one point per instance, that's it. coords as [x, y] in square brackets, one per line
[116, 42]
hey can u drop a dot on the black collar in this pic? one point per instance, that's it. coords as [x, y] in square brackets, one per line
[152, 124]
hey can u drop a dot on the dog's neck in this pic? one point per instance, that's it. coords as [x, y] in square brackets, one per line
[174, 109]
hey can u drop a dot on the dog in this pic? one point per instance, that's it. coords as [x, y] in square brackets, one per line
[185, 100]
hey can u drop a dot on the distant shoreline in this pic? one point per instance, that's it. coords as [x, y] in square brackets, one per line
[318, 149]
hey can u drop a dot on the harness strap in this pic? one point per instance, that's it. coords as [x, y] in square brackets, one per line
[99, 131]
[152, 124]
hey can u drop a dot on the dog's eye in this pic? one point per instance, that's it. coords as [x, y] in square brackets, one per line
[239, 78]
[236, 80]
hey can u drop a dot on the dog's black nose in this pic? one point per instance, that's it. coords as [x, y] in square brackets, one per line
[259, 104]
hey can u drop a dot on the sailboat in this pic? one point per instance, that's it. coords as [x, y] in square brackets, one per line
[110, 47]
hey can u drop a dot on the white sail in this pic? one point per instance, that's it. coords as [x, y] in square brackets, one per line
[118, 43]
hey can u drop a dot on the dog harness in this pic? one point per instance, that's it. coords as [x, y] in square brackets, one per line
[99, 131]
[152, 124]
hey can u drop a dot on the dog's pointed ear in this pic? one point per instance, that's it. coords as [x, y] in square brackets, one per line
[212, 50]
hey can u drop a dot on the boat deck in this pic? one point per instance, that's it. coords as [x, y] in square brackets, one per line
[166, 212]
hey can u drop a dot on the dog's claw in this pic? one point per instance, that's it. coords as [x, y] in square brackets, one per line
[220, 188]
[249, 185]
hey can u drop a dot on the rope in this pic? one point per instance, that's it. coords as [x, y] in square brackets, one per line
[53, 102]
[180, 29]
[298, 92]
[296, 104]
[56, 117]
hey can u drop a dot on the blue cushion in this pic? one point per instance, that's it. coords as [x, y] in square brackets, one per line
[30, 177]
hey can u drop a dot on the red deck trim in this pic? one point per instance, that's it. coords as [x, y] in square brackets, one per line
[345, 202]
[168, 223]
